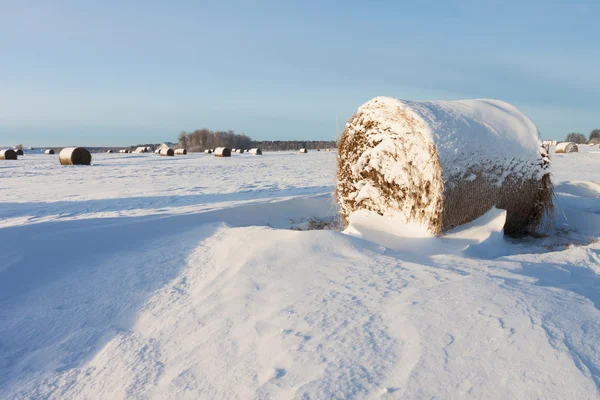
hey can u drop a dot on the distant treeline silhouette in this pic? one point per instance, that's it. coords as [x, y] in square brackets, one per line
[202, 139]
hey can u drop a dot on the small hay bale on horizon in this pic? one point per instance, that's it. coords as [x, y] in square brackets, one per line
[50, 151]
[75, 156]
[8, 154]
[240, 151]
[303, 151]
[167, 152]
[566, 147]
[444, 164]
[181, 152]
[256, 151]
[222, 152]
[124, 151]
[109, 151]
[208, 151]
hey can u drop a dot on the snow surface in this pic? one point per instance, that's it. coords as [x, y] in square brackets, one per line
[152, 277]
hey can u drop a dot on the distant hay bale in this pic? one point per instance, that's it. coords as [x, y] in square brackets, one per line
[49, 151]
[8, 154]
[443, 164]
[240, 151]
[234, 150]
[222, 152]
[566, 147]
[208, 151]
[109, 151]
[303, 151]
[157, 151]
[181, 152]
[256, 151]
[141, 149]
[167, 152]
[124, 151]
[75, 156]
[19, 152]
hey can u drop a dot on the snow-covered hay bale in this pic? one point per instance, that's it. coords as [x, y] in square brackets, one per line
[109, 151]
[303, 151]
[208, 151]
[443, 164]
[222, 152]
[566, 147]
[157, 151]
[167, 152]
[19, 152]
[240, 151]
[181, 152]
[124, 151]
[8, 154]
[49, 151]
[256, 151]
[75, 156]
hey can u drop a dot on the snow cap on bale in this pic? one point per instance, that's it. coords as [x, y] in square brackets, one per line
[566, 147]
[75, 156]
[167, 152]
[8, 154]
[222, 152]
[442, 164]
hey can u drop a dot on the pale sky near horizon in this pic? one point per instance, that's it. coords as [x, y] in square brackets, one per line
[128, 72]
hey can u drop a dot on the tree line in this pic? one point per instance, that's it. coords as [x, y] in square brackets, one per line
[202, 139]
[580, 138]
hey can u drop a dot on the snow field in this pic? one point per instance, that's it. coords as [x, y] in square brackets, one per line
[144, 278]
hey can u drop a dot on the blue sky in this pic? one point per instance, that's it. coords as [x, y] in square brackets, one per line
[125, 72]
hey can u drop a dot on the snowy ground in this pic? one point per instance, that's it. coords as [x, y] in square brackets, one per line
[153, 277]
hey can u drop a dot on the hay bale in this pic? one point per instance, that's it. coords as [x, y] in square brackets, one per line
[222, 152]
[19, 152]
[181, 152]
[208, 151]
[109, 151]
[157, 151]
[240, 151]
[75, 156]
[124, 151]
[167, 152]
[8, 154]
[303, 151]
[49, 151]
[566, 147]
[256, 151]
[234, 150]
[443, 164]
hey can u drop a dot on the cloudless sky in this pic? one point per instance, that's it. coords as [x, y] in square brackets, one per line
[136, 71]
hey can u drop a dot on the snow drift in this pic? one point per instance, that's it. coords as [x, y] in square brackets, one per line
[443, 164]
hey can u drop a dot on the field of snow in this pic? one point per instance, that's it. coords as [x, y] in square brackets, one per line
[179, 277]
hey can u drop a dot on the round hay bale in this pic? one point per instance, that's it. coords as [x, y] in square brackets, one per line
[124, 151]
[181, 152]
[75, 156]
[256, 151]
[109, 151]
[303, 151]
[240, 151]
[167, 152]
[566, 147]
[443, 164]
[222, 152]
[8, 154]
[49, 151]
[157, 151]
[19, 152]
[208, 151]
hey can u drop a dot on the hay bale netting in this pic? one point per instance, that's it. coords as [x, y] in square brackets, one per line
[8, 154]
[208, 151]
[566, 147]
[49, 151]
[303, 151]
[443, 164]
[167, 152]
[75, 156]
[181, 152]
[255, 151]
[222, 152]
[19, 152]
